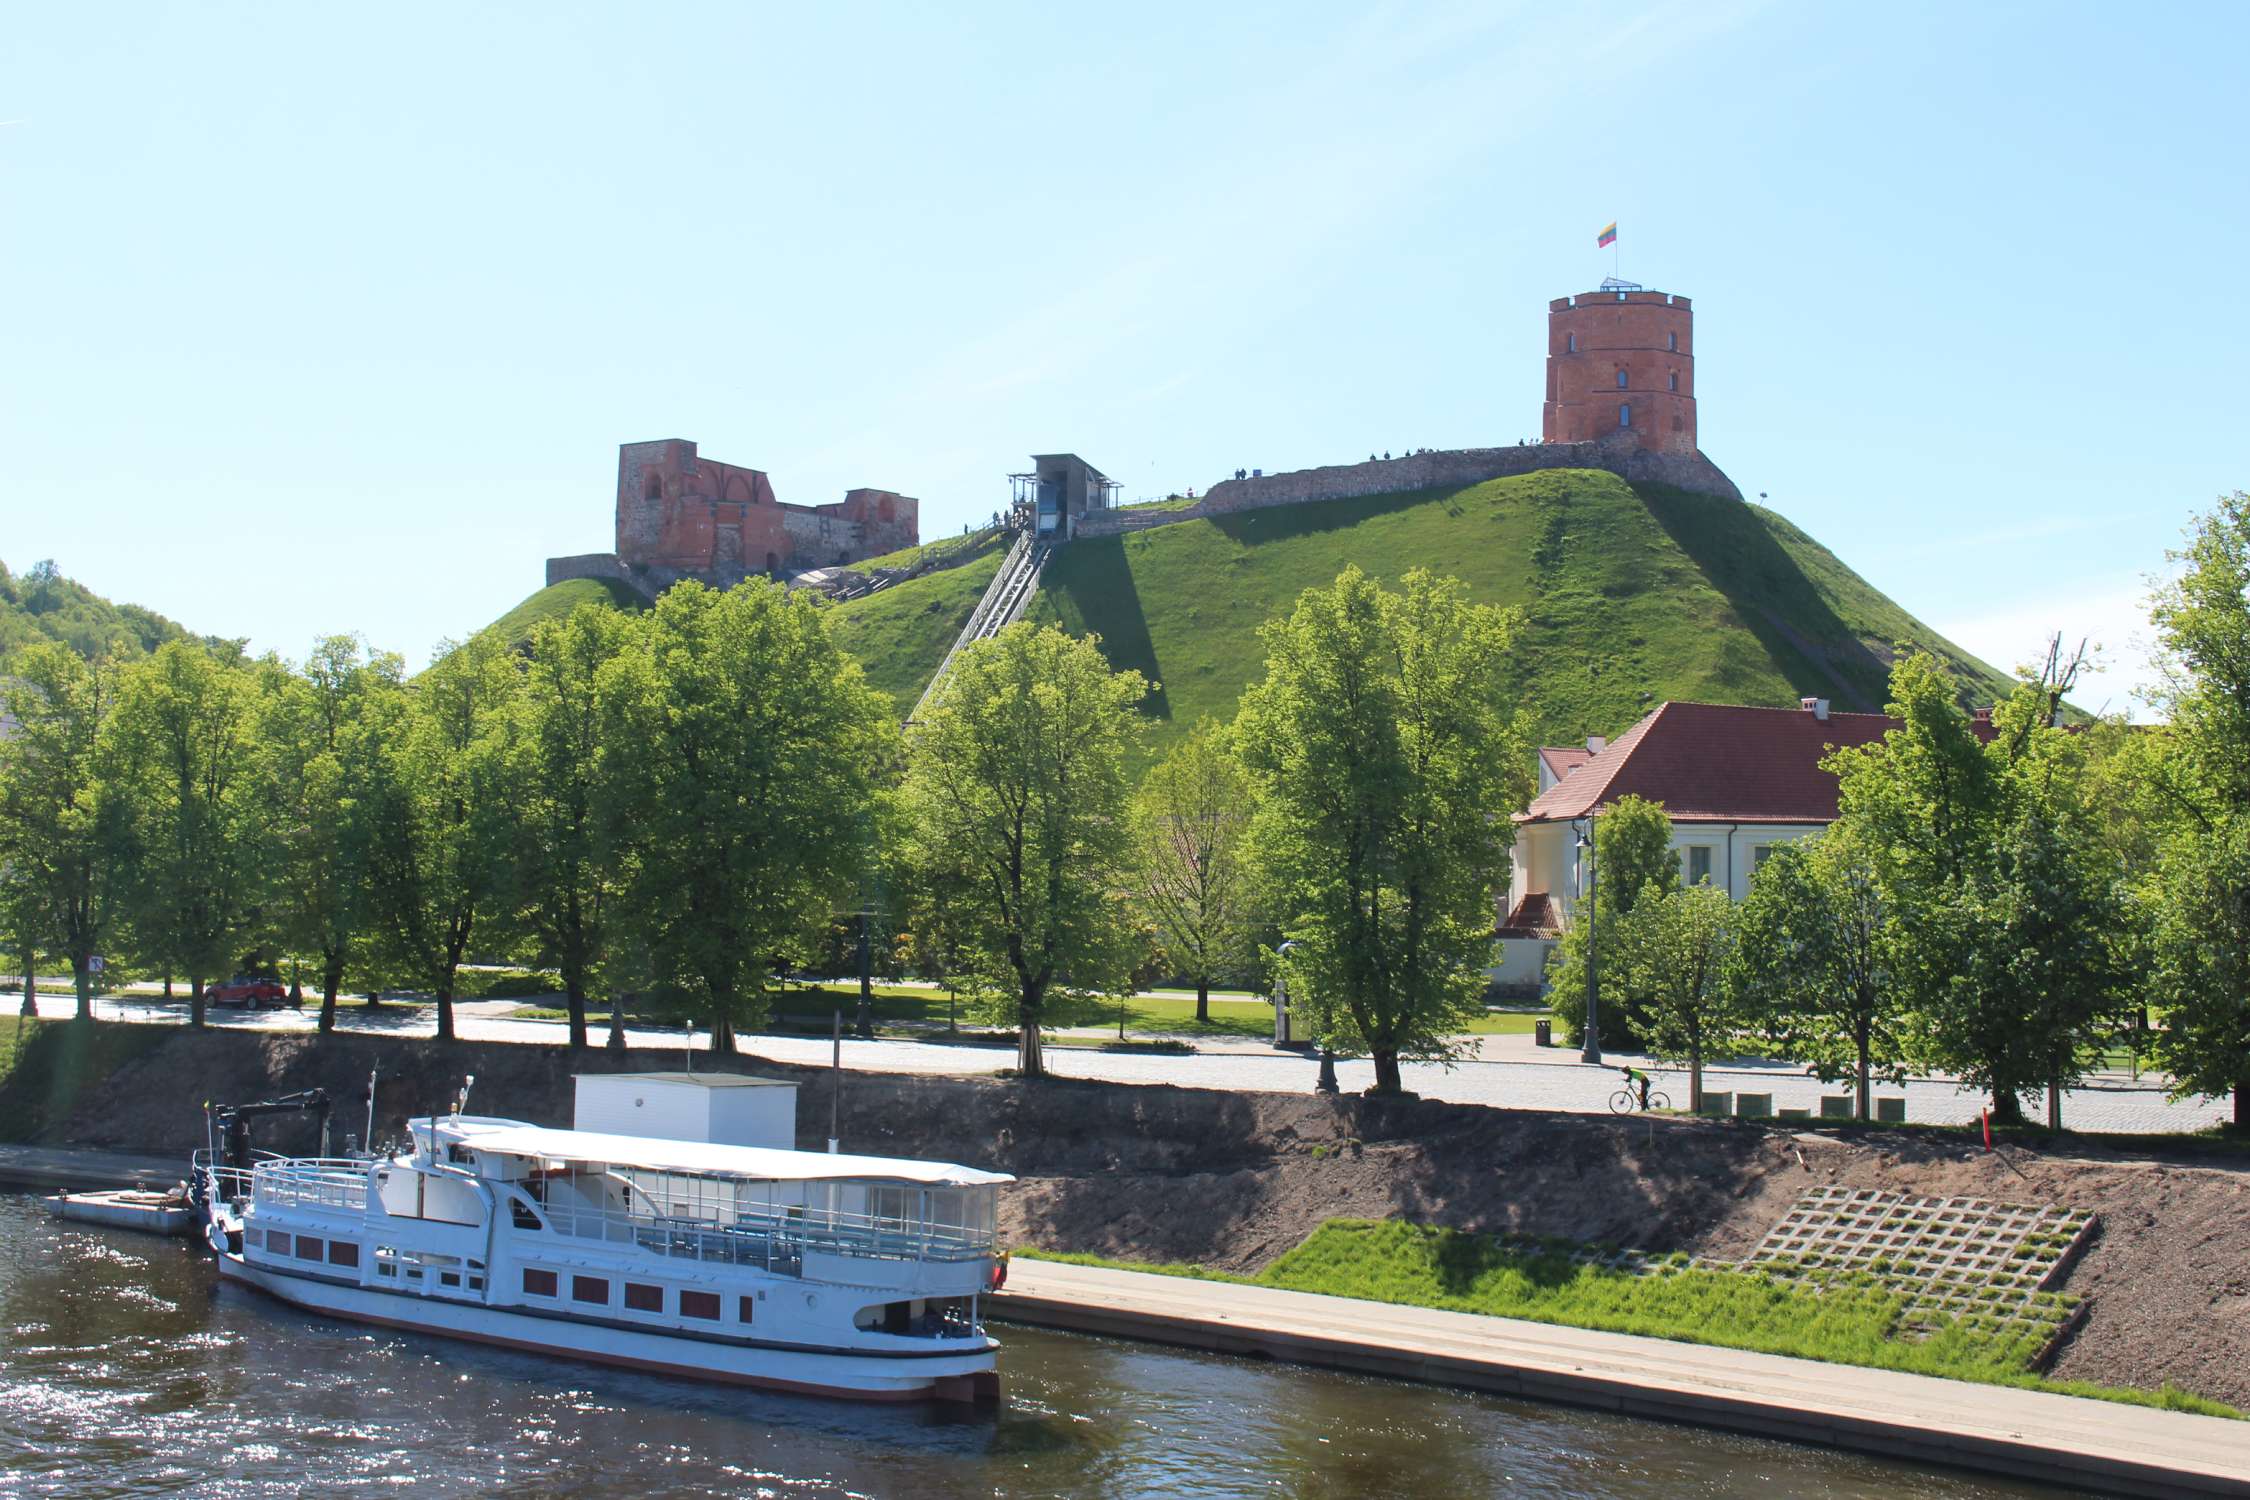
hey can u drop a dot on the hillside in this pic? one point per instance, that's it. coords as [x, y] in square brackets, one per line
[42, 605]
[1632, 596]
[559, 599]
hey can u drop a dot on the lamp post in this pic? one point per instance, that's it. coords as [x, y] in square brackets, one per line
[1592, 1051]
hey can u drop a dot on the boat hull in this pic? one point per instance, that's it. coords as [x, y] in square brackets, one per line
[967, 1378]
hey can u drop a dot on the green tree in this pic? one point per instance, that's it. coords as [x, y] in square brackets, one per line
[437, 861]
[1813, 963]
[1676, 949]
[742, 753]
[566, 879]
[321, 731]
[1388, 762]
[1190, 820]
[1016, 778]
[186, 736]
[66, 817]
[2196, 773]
[1633, 855]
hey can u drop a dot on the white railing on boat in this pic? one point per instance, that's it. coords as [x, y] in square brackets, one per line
[778, 1242]
[312, 1182]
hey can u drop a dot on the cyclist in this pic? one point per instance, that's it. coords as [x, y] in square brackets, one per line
[1637, 1081]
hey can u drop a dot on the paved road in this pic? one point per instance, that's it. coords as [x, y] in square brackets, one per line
[1508, 1071]
[2066, 1439]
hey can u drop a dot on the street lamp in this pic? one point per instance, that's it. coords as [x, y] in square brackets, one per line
[1592, 1051]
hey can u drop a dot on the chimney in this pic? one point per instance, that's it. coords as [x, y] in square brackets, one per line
[1982, 716]
[1817, 707]
[1596, 744]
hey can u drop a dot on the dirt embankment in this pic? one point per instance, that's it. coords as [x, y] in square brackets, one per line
[1232, 1180]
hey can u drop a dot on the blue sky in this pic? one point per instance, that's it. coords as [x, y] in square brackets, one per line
[324, 319]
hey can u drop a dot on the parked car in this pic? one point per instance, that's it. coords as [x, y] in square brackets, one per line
[250, 993]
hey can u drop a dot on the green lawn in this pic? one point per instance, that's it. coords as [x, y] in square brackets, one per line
[902, 633]
[952, 550]
[1846, 1322]
[559, 599]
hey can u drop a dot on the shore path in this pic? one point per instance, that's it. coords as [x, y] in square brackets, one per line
[2066, 1440]
[1506, 1072]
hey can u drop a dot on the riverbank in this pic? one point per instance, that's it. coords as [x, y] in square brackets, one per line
[2028, 1434]
[1231, 1180]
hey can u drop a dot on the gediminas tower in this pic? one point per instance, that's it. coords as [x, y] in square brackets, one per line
[1621, 367]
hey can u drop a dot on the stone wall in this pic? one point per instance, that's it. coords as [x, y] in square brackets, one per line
[1454, 468]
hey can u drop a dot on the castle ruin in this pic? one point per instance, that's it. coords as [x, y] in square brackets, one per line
[680, 515]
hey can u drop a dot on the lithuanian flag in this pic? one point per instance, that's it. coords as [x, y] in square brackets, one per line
[1607, 237]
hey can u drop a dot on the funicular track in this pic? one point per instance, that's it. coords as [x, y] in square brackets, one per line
[1004, 602]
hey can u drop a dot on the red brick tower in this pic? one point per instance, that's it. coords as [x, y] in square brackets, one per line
[1621, 365]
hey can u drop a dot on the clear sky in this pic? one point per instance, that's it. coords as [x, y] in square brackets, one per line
[331, 319]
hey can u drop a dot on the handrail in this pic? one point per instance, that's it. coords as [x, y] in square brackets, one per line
[774, 1238]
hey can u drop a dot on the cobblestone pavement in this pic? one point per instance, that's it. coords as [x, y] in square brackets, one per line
[1508, 1072]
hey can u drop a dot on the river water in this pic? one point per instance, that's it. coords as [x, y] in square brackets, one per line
[125, 1369]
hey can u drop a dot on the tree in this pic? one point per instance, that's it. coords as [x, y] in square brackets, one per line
[185, 729]
[565, 879]
[1633, 857]
[1813, 963]
[321, 732]
[1384, 747]
[438, 858]
[1190, 819]
[66, 824]
[742, 753]
[1017, 779]
[1677, 950]
[2197, 774]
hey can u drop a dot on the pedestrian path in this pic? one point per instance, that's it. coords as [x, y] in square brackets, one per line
[2054, 1439]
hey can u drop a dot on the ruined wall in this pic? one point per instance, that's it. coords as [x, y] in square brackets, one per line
[1453, 468]
[690, 515]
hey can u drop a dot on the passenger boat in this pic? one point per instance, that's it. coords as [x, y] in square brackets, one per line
[854, 1276]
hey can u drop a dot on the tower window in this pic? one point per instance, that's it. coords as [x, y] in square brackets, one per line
[1570, 344]
[653, 487]
[1672, 342]
[1675, 378]
[1624, 413]
[1621, 381]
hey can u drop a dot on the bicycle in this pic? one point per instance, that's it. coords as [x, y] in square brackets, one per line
[1628, 1101]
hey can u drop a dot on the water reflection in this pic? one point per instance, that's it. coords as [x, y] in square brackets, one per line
[126, 1370]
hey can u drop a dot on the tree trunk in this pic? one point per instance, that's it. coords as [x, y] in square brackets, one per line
[167, 988]
[331, 980]
[195, 1002]
[2242, 1105]
[82, 976]
[2007, 1106]
[445, 1008]
[722, 1032]
[1866, 1108]
[1387, 1080]
[1031, 1058]
[30, 983]
[1203, 999]
[617, 1022]
[1695, 1075]
[574, 1000]
[2054, 1104]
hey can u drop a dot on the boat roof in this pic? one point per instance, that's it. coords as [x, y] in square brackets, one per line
[701, 1158]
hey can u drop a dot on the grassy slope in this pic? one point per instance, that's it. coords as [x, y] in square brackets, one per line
[952, 550]
[559, 599]
[1846, 1323]
[1631, 597]
[904, 631]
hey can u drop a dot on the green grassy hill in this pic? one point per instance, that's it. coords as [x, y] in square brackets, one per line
[559, 599]
[40, 604]
[902, 633]
[1632, 595]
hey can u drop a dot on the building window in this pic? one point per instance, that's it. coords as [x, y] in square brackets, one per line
[1624, 413]
[1672, 342]
[700, 1305]
[653, 487]
[1698, 864]
[538, 1283]
[1570, 343]
[1622, 382]
[641, 1297]
[745, 1309]
[1759, 856]
[589, 1289]
[343, 1252]
[1675, 379]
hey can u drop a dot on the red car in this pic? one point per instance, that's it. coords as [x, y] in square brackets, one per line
[251, 994]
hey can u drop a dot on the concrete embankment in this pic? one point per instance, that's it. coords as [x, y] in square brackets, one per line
[73, 1169]
[2054, 1439]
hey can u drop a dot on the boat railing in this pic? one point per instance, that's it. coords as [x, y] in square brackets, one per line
[228, 1183]
[778, 1241]
[335, 1182]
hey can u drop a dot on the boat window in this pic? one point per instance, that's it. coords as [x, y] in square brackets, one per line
[309, 1248]
[476, 1283]
[385, 1268]
[538, 1283]
[744, 1308]
[520, 1211]
[641, 1297]
[449, 1278]
[277, 1240]
[343, 1252]
[700, 1305]
[589, 1289]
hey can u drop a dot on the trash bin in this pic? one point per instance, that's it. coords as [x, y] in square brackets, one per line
[1543, 1032]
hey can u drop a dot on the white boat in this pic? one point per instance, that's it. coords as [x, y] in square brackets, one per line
[856, 1276]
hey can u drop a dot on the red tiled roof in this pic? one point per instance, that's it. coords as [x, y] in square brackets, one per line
[1561, 760]
[1709, 762]
[1534, 917]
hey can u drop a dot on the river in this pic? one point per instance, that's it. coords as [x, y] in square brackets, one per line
[125, 1369]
